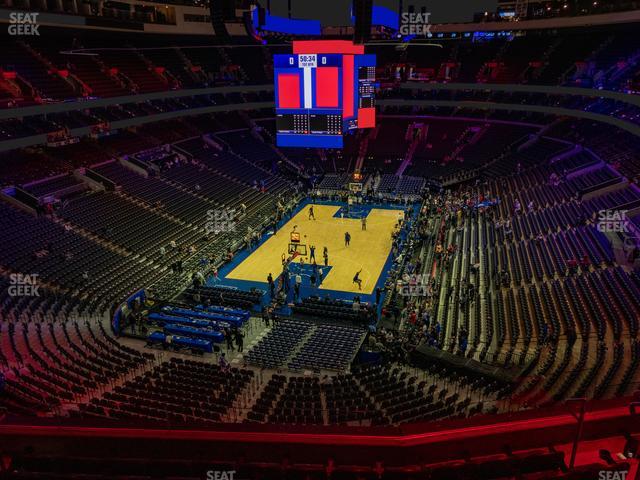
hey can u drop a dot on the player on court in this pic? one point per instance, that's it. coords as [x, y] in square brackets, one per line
[364, 223]
[357, 280]
[311, 215]
[347, 239]
[312, 253]
[325, 255]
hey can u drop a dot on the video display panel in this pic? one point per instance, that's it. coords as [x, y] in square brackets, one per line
[323, 90]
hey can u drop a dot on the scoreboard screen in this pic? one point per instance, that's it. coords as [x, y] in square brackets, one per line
[325, 124]
[324, 89]
[284, 123]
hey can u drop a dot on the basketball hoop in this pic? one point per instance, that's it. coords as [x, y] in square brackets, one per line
[355, 187]
[296, 249]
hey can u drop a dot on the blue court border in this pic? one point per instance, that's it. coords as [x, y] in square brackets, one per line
[306, 289]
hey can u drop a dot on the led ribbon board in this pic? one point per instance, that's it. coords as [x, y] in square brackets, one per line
[324, 89]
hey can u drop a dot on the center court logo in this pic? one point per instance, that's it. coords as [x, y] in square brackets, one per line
[23, 24]
[415, 24]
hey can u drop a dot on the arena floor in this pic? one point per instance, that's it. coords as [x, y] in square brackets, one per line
[369, 250]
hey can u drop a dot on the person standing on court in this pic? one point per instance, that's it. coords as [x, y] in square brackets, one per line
[364, 223]
[311, 215]
[347, 239]
[325, 254]
[357, 280]
[312, 253]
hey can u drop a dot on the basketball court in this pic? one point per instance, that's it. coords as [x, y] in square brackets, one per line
[368, 250]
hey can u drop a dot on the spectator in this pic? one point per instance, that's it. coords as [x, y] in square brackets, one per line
[272, 286]
[239, 338]
[223, 363]
[229, 340]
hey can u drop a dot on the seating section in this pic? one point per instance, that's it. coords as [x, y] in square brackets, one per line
[348, 402]
[403, 399]
[138, 76]
[97, 78]
[300, 400]
[249, 145]
[533, 280]
[123, 229]
[67, 259]
[179, 391]
[231, 297]
[371, 395]
[246, 169]
[122, 222]
[344, 310]
[58, 186]
[302, 345]
[47, 365]
[278, 344]
[154, 191]
[332, 182]
[329, 347]
[600, 59]
[23, 60]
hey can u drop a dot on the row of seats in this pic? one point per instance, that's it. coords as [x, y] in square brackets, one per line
[546, 282]
[533, 58]
[371, 395]
[178, 391]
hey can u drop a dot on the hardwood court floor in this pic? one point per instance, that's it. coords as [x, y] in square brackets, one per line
[368, 250]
